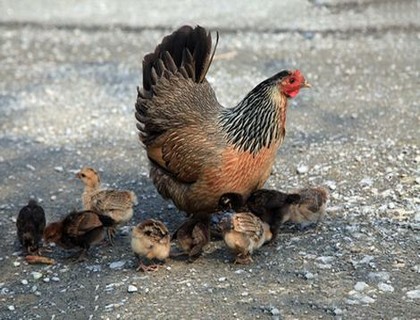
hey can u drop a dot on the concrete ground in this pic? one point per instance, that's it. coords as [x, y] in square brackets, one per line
[68, 78]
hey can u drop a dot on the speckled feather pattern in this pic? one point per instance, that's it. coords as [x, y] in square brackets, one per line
[151, 239]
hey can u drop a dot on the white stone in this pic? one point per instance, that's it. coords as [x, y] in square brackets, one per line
[385, 287]
[414, 294]
[24, 282]
[16, 263]
[132, 289]
[46, 279]
[360, 286]
[302, 169]
[11, 308]
[117, 264]
[55, 279]
[36, 275]
[221, 279]
[58, 169]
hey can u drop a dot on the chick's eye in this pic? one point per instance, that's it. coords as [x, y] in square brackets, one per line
[292, 80]
[82, 175]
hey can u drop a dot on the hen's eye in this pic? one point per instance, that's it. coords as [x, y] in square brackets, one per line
[292, 80]
[82, 175]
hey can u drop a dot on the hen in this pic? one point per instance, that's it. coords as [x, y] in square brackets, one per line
[151, 239]
[30, 226]
[117, 204]
[199, 150]
[78, 230]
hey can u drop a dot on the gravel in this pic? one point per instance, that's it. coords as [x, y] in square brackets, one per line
[67, 90]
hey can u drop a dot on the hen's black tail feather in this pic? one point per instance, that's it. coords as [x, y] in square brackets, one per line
[186, 47]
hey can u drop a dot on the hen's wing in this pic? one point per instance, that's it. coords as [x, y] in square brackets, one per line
[176, 105]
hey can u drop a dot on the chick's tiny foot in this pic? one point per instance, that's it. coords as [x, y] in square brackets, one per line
[243, 259]
[149, 268]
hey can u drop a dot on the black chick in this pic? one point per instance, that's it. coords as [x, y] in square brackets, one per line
[272, 207]
[30, 226]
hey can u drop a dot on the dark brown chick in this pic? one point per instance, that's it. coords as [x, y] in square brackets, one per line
[117, 204]
[30, 226]
[79, 229]
[198, 149]
[244, 233]
[272, 207]
[150, 239]
[191, 236]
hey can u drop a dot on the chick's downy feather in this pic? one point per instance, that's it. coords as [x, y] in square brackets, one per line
[30, 225]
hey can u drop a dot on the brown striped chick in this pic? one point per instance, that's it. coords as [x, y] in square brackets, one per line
[243, 232]
[79, 229]
[117, 204]
[191, 236]
[150, 239]
[311, 207]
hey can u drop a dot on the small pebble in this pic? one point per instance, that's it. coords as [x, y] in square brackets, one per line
[221, 279]
[309, 275]
[46, 280]
[360, 286]
[302, 169]
[58, 169]
[132, 288]
[275, 311]
[117, 264]
[16, 263]
[414, 294]
[24, 282]
[36, 275]
[385, 287]
[11, 308]
[55, 279]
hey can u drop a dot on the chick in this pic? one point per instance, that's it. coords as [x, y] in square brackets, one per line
[30, 226]
[302, 208]
[79, 229]
[117, 204]
[150, 239]
[243, 232]
[272, 207]
[191, 236]
[310, 208]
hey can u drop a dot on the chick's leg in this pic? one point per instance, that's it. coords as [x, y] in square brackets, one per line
[111, 233]
[243, 258]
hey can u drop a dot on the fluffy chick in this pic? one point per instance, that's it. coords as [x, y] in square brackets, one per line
[117, 204]
[150, 239]
[30, 226]
[79, 229]
[191, 237]
[310, 208]
[243, 232]
[272, 207]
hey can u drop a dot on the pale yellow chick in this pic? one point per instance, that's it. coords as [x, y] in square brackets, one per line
[151, 239]
[244, 233]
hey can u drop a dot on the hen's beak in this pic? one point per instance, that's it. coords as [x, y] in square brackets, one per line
[306, 85]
